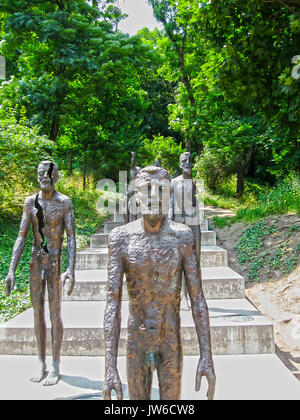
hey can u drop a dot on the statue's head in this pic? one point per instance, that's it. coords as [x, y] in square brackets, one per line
[47, 175]
[186, 163]
[152, 188]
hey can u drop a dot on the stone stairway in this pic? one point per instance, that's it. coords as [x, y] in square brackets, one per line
[237, 327]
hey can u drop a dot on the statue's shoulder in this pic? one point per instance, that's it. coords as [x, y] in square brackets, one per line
[181, 231]
[120, 233]
[29, 201]
[63, 199]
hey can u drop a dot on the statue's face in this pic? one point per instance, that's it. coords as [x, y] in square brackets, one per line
[186, 164]
[153, 196]
[47, 176]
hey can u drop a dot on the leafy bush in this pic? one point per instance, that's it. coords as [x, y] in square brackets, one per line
[284, 197]
[164, 149]
[211, 168]
[21, 149]
[19, 299]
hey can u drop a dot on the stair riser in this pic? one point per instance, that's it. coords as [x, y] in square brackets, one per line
[100, 240]
[89, 261]
[226, 340]
[213, 289]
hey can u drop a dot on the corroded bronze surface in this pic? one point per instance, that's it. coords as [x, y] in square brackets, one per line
[186, 211]
[50, 214]
[153, 252]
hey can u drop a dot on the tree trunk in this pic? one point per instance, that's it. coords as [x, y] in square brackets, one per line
[240, 185]
[84, 173]
[54, 130]
[241, 169]
[71, 162]
[188, 145]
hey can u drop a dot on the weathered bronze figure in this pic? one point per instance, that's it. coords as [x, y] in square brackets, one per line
[152, 252]
[184, 208]
[49, 213]
[131, 213]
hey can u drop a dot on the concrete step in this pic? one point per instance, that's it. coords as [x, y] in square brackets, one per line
[99, 240]
[247, 377]
[236, 328]
[109, 226]
[218, 283]
[96, 258]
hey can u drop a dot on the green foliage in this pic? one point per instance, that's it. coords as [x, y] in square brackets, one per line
[277, 256]
[251, 241]
[88, 219]
[19, 299]
[258, 202]
[284, 197]
[232, 61]
[20, 150]
[163, 149]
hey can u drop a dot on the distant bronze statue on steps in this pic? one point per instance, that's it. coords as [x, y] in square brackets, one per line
[153, 252]
[131, 214]
[184, 208]
[50, 214]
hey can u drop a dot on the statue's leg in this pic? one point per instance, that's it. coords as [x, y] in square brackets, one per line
[184, 296]
[169, 370]
[197, 235]
[139, 374]
[54, 295]
[37, 293]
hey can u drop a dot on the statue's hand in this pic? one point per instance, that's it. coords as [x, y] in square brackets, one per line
[10, 283]
[206, 368]
[112, 382]
[70, 277]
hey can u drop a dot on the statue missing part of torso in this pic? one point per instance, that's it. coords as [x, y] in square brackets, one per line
[50, 214]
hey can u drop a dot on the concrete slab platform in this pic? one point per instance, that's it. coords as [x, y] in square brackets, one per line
[236, 328]
[218, 283]
[96, 258]
[251, 377]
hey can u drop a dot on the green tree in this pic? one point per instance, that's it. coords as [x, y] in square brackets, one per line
[54, 40]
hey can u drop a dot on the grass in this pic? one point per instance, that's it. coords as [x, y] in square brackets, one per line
[258, 202]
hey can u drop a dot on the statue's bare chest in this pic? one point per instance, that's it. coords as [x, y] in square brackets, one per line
[154, 253]
[51, 213]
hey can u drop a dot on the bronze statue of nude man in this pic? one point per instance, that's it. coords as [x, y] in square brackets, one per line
[50, 214]
[152, 252]
[184, 208]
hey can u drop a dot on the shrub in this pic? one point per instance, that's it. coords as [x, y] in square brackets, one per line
[165, 149]
[21, 149]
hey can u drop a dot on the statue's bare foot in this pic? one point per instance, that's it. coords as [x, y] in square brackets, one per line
[41, 374]
[53, 376]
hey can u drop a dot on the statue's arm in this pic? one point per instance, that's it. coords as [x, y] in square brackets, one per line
[112, 317]
[69, 221]
[19, 246]
[200, 313]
